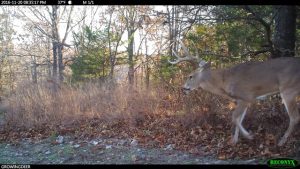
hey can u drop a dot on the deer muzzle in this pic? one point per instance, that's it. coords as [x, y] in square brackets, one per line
[186, 90]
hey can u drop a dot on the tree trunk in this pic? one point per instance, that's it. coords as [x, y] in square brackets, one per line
[11, 77]
[54, 49]
[147, 80]
[60, 62]
[170, 24]
[111, 58]
[48, 58]
[285, 31]
[130, 55]
[55, 40]
[34, 69]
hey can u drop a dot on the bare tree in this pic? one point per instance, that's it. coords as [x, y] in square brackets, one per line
[6, 49]
[132, 22]
[179, 20]
[47, 20]
[115, 31]
[56, 42]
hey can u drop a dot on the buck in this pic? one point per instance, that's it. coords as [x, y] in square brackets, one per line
[246, 82]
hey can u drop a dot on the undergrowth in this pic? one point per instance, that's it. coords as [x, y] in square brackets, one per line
[156, 116]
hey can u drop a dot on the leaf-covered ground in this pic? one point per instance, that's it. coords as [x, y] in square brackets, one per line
[158, 140]
[199, 129]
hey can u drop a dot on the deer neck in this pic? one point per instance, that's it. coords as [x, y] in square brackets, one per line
[216, 78]
[216, 83]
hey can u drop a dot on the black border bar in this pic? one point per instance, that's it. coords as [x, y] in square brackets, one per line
[144, 166]
[148, 2]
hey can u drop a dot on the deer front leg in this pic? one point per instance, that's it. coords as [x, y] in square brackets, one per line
[237, 119]
[290, 104]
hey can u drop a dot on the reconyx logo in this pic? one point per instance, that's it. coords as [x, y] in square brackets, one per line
[282, 163]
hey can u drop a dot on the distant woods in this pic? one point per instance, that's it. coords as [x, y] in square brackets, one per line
[132, 44]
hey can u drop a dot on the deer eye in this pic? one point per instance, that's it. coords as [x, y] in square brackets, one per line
[191, 77]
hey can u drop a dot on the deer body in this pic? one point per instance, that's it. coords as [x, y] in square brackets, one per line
[246, 82]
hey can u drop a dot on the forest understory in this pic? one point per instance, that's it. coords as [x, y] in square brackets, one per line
[198, 124]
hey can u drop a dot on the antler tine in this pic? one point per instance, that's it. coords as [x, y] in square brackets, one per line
[197, 53]
[178, 58]
[181, 59]
[184, 48]
[200, 60]
[187, 57]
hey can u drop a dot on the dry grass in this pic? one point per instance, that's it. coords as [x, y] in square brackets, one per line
[35, 105]
[157, 114]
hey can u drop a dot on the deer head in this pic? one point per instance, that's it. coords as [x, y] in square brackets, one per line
[197, 78]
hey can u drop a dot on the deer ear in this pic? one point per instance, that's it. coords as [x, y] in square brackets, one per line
[204, 64]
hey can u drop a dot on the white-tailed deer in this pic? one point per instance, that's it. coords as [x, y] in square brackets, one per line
[246, 82]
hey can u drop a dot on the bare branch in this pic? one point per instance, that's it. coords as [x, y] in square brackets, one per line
[254, 53]
[68, 25]
[40, 14]
[258, 18]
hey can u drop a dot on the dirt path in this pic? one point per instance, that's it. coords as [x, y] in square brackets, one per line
[99, 151]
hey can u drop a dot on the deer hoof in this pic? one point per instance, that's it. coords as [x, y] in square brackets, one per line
[249, 136]
[281, 142]
[234, 140]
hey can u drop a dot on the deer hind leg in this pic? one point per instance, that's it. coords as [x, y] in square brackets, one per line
[237, 119]
[237, 122]
[289, 100]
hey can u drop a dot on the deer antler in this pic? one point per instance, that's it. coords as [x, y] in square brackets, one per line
[188, 57]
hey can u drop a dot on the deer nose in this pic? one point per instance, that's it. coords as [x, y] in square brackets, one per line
[186, 90]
